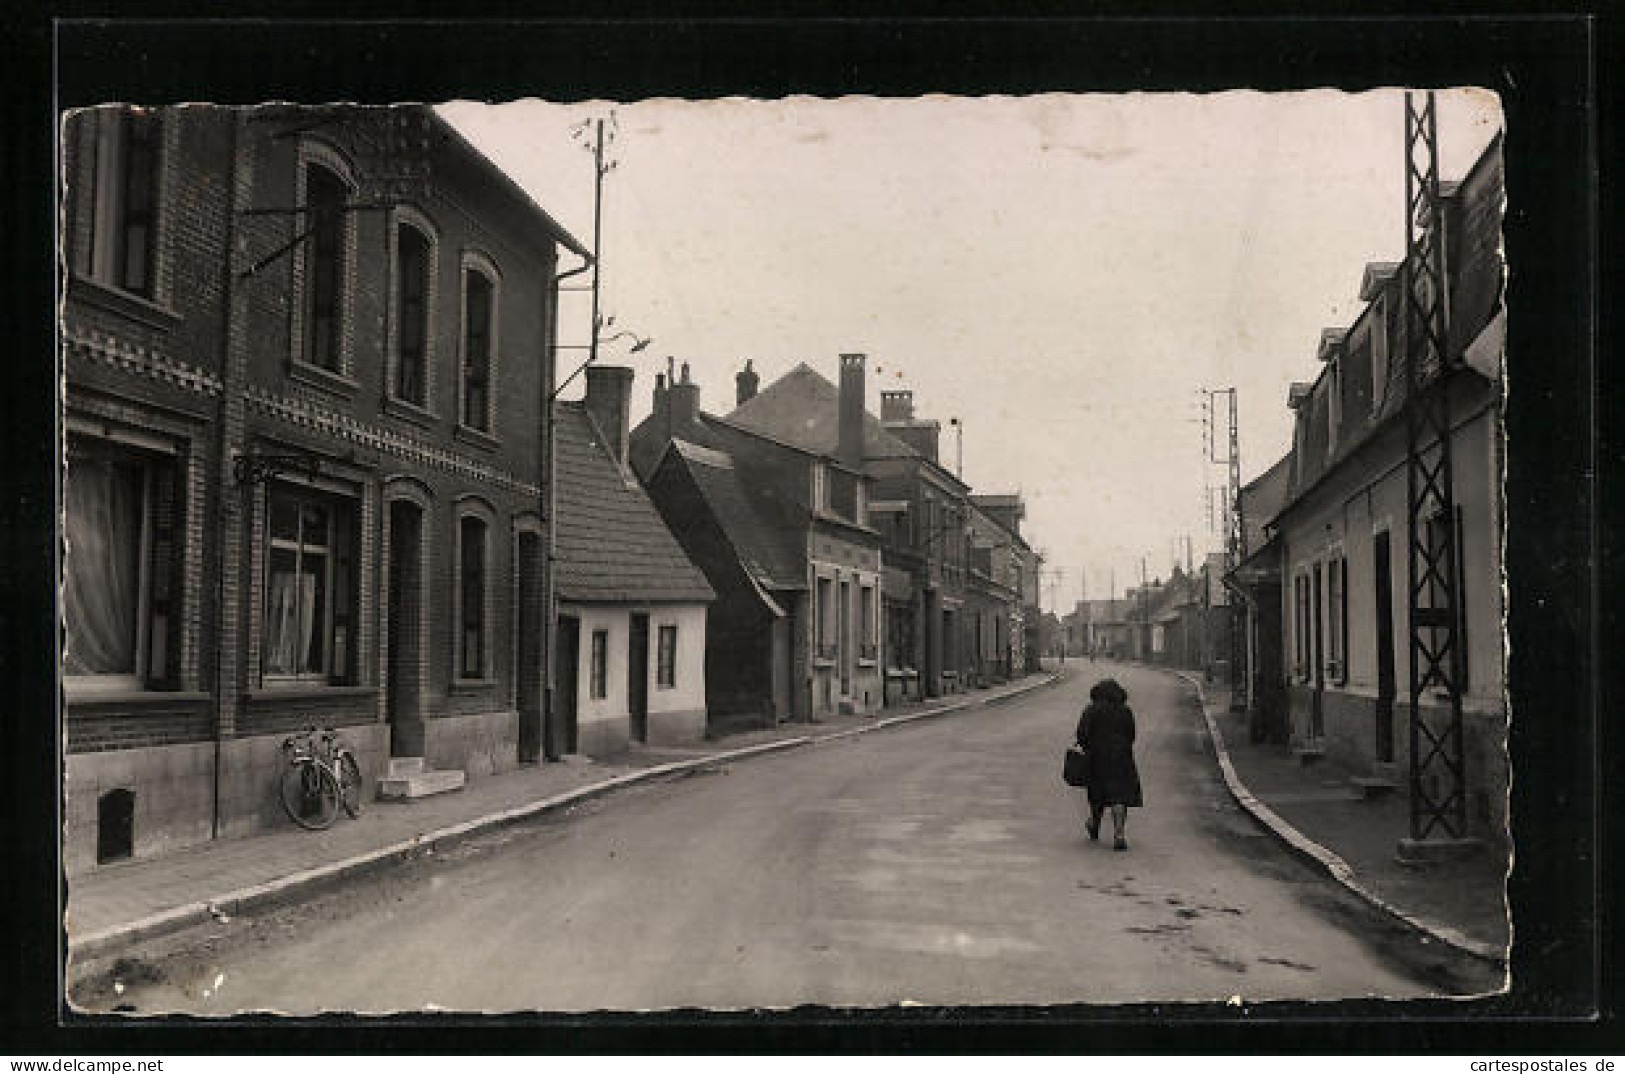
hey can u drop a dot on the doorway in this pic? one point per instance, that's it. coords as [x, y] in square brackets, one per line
[404, 670]
[567, 659]
[637, 676]
[1382, 571]
[530, 670]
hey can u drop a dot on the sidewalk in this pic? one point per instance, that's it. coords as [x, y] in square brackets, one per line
[115, 906]
[1316, 811]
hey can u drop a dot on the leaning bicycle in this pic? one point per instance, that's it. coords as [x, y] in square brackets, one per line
[322, 774]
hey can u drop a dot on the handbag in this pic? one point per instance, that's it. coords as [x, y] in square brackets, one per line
[1075, 769]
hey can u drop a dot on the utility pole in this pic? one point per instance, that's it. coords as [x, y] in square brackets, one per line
[1438, 777]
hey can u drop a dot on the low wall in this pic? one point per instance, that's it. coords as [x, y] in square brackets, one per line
[676, 728]
[174, 790]
[604, 737]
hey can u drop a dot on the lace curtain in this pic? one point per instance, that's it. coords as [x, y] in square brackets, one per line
[102, 588]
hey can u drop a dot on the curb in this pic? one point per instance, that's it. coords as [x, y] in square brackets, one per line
[1338, 869]
[108, 941]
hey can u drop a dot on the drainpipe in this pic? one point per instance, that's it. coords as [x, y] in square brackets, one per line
[226, 486]
[549, 469]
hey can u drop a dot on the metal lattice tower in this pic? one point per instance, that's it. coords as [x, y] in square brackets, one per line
[1438, 761]
[1235, 533]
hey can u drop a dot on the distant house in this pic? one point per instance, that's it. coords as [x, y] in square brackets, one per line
[630, 641]
[1257, 582]
[792, 520]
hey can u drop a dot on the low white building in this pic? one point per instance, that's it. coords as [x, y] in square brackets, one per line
[631, 606]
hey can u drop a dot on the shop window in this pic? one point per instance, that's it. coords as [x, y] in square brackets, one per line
[598, 682]
[666, 658]
[324, 276]
[119, 516]
[412, 269]
[310, 587]
[471, 582]
[124, 221]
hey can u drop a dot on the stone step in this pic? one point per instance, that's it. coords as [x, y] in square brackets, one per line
[420, 784]
[405, 766]
[1370, 787]
[1308, 755]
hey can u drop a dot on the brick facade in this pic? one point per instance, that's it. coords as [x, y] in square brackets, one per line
[182, 375]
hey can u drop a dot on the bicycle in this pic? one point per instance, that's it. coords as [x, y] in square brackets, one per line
[322, 774]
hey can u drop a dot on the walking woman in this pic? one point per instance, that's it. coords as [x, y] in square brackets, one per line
[1106, 733]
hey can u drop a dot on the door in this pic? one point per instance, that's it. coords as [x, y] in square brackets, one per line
[530, 671]
[1317, 723]
[567, 662]
[637, 677]
[1382, 571]
[403, 672]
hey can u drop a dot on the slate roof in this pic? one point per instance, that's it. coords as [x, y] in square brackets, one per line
[754, 539]
[611, 543]
[1261, 500]
[803, 409]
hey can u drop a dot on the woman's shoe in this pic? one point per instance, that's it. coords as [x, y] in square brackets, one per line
[1119, 843]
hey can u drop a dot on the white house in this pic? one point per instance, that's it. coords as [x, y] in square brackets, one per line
[630, 638]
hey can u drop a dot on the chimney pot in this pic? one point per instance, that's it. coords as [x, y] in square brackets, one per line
[609, 401]
[745, 383]
[849, 437]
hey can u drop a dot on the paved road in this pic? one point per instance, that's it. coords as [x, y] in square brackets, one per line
[941, 863]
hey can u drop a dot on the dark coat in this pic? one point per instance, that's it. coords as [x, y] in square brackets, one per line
[1106, 732]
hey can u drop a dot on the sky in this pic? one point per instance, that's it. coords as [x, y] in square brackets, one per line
[1063, 273]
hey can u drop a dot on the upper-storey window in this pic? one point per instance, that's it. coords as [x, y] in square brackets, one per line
[325, 195]
[412, 302]
[123, 224]
[479, 342]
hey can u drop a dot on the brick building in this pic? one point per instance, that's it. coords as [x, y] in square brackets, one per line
[303, 429]
[778, 520]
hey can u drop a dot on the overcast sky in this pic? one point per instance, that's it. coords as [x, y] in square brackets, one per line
[1061, 272]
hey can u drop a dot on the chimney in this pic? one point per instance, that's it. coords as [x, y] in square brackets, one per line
[609, 401]
[897, 406]
[849, 444]
[685, 404]
[745, 382]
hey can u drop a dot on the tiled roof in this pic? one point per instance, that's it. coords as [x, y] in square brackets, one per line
[754, 538]
[802, 408]
[612, 545]
[1261, 499]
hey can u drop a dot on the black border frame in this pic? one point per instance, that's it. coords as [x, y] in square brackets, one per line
[1547, 70]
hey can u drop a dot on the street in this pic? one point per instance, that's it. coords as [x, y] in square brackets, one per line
[940, 863]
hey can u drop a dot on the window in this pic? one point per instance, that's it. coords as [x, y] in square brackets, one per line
[412, 304]
[478, 308]
[471, 587]
[325, 197]
[823, 613]
[1379, 352]
[666, 658]
[309, 585]
[1438, 535]
[598, 684]
[1337, 618]
[868, 627]
[118, 515]
[125, 184]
